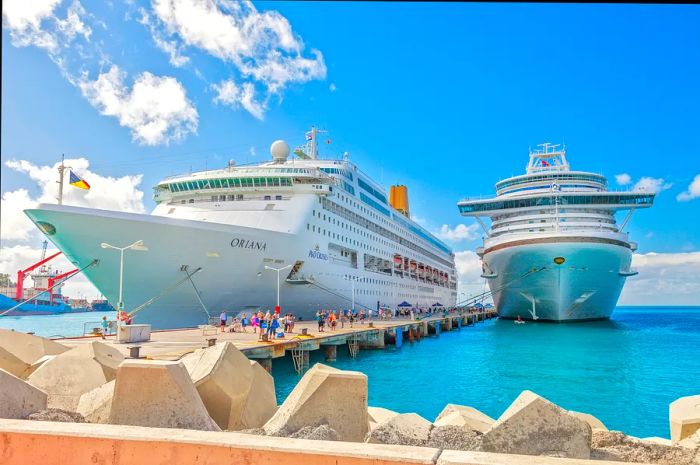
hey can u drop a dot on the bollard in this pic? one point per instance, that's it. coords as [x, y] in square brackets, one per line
[371, 324]
[304, 331]
[265, 338]
[134, 351]
[211, 341]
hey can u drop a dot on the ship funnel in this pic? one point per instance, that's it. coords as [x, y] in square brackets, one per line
[279, 151]
[398, 198]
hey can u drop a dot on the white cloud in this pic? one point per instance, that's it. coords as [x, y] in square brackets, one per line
[332, 87]
[461, 232]
[623, 179]
[229, 93]
[693, 191]
[171, 47]
[663, 279]
[156, 108]
[73, 25]
[648, 184]
[105, 192]
[19, 257]
[14, 225]
[469, 280]
[23, 19]
[262, 46]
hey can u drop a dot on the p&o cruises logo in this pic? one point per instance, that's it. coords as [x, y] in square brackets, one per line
[317, 254]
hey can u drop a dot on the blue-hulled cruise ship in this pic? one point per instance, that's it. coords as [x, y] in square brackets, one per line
[554, 250]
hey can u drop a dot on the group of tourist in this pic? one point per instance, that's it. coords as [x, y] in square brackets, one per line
[269, 323]
[330, 318]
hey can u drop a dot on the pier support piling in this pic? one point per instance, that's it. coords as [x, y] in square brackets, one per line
[331, 353]
[266, 363]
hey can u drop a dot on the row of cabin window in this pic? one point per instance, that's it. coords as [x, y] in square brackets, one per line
[186, 186]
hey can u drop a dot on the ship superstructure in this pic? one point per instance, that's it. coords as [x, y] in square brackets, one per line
[215, 239]
[554, 250]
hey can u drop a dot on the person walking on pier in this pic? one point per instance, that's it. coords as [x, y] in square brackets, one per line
[105, 326]
[222, 319]
[244, 321]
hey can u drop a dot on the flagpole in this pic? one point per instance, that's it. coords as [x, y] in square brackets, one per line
[60, 180]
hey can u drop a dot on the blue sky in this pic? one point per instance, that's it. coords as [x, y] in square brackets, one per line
[445, 98]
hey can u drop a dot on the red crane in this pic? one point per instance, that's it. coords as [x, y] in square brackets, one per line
[22, 274]
[54, 279]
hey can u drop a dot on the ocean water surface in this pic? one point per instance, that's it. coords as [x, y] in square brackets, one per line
[624, 371]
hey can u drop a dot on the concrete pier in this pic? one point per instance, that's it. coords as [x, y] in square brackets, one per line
[173, 344]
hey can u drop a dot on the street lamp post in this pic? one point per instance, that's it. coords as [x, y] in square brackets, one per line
[138, 245]
[352, 280]
[277, 308]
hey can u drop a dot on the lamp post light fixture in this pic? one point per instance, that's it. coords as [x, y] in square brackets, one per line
[278, 308]
[352, 279]
[138, 245]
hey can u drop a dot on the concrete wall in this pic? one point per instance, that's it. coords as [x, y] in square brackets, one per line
[24, 442]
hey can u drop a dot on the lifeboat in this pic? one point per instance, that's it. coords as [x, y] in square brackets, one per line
[414, 266]
[398, 262]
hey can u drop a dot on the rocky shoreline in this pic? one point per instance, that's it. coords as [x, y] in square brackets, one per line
[219, 389]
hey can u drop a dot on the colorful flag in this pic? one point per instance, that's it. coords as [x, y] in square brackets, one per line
[544, 163]
[308, 135]
[78, 182]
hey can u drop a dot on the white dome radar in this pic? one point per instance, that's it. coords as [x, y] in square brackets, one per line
[280, 151]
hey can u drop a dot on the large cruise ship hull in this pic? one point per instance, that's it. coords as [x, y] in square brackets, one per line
[231, 261]
[527, 282]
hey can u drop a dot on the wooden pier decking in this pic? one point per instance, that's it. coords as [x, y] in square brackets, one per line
[174, 344]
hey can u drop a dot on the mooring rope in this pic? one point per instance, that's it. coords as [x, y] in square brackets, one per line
[164, 292]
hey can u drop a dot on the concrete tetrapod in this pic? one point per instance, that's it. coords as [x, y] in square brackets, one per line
[532, 425]
[379, 415]
[19, 398]
[160, 394]
[19, 351]
[329, 396]
[261, 403]
[225, 380]
[73, 373]
[684, 417]
[464, 416]
[96, 405]
[592, 421]
[407, 429]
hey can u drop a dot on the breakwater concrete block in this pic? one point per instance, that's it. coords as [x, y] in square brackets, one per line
[615, 445]
[592, 421]
[71, 374]
[532, 425]
[160, 394]
[379, 415]
[19, 351]
[261, 403]
[18, 398]
[329, 396]
[223, 377]
[684, 417]
[96, 405]
[407, 429]
[465, 417]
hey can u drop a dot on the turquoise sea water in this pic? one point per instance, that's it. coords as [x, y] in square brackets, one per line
[624, 371]
[65, 325]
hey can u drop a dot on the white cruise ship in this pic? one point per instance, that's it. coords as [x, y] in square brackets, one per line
[554, 250]
[216, 238]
